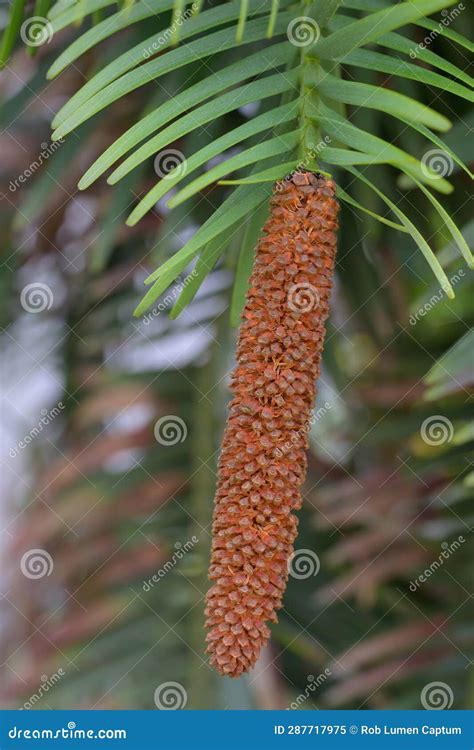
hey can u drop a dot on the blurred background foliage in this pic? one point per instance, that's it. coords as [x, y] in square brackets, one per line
[112, 505]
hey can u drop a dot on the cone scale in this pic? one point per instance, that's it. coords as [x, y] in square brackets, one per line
[263, 459]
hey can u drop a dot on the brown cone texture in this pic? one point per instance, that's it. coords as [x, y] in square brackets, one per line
[263, 460]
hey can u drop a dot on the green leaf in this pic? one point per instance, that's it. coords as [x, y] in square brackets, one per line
[111, 25]
[342, 195]
[236, 205]
[244, 7]
[74, 13]
[278, 145]
[463, 433]
[273, 18]
[178, 12]
[253, 229]
[468, 480]
[265, 121]
[61, 6]
[209, 19]
[12, 30]
[453, 229]
[443, 146]
[242, 200]
[342, 157]
[40, 10]
[226, 103]
[453, 371]
[458, 138]
[417, 236]
[370, 28]
[448, 33]
[441, 26]
[271, 174]
[171, 61]
[426, 23]
[399, 43]
[365, 5]
[384, 100]
[342, 130]
[204, 265]
[371, 60]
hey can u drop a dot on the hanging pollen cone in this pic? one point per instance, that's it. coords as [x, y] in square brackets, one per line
[263, 460]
